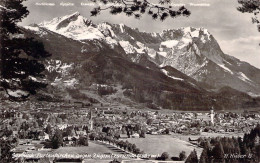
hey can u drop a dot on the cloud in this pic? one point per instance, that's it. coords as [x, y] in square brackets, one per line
[246, 40]
[245, 48]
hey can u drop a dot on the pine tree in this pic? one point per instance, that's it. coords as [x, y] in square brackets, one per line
[192, 158]
[57, 139]
[257, 152]
[48, 129]
[251, 6]
[182, 156]
[218, 152]
[83, 140]
[204, 156]
[164, 156]
[5, 151]
[21, 58]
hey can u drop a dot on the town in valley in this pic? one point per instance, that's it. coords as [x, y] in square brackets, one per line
[107, 132]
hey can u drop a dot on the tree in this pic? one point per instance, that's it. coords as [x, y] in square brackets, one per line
[204, 156]
[25, 116]
[165, 156]
[6, 132]
[117, 135]
[138, 7]
[114, 161]
[250, 6]
[149, 121]
[58, 120]
[25, 126]
[35, 124]
[128, 133]
[182, 156]
[85, 128]
[40, 122]
[83, 141]
[93, 136]
[142, 134]
[192, 158]
[21, 58]
[257, 152]
[129, 146]
[48, 129]
[218, 152]
[45, 160]
[5, 150]
[106, 130]
[167, 131]
[57, 139]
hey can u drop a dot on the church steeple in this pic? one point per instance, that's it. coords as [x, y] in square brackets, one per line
[90, 120]
[212, 115]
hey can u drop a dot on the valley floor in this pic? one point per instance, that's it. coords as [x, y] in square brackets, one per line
[157, 144]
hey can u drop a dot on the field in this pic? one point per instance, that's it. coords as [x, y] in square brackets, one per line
[206, 134]
[157, 144]
[95, 152]
[93, 148]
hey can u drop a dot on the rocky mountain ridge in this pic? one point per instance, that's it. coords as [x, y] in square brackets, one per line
[193, 51]
[179, 65]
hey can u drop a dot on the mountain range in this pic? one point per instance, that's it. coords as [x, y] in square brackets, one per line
[176, 69]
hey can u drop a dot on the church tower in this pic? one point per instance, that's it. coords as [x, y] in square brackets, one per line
[212, 115]
[90, 120]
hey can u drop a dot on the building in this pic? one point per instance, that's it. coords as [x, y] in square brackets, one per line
[212, 116]
[43, 136]
[90, 120]
[135, 135]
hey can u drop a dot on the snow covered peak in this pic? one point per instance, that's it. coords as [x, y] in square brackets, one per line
[196, 32]
[74, 26]
[76, 13]
[62, 22]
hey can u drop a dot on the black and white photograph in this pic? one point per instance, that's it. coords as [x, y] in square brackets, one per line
[129, 81]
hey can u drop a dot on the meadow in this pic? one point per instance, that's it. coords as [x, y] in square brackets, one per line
[157, 144]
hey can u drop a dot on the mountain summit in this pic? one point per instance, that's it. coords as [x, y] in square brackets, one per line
[73, 26]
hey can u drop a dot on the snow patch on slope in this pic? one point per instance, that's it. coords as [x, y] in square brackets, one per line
[122, 28]
[128, 48]
[111, 42]
[175, 78]
[141, 48]
[225, 68]
[151, 52]
[169, 43]
[184, 42]
[106, 27]
[35, 29]
[164, 54]
[154, 34]
[58, 66]
[243, 77]
[192, 31]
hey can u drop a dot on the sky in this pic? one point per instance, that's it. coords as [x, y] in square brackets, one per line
[233, 30]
